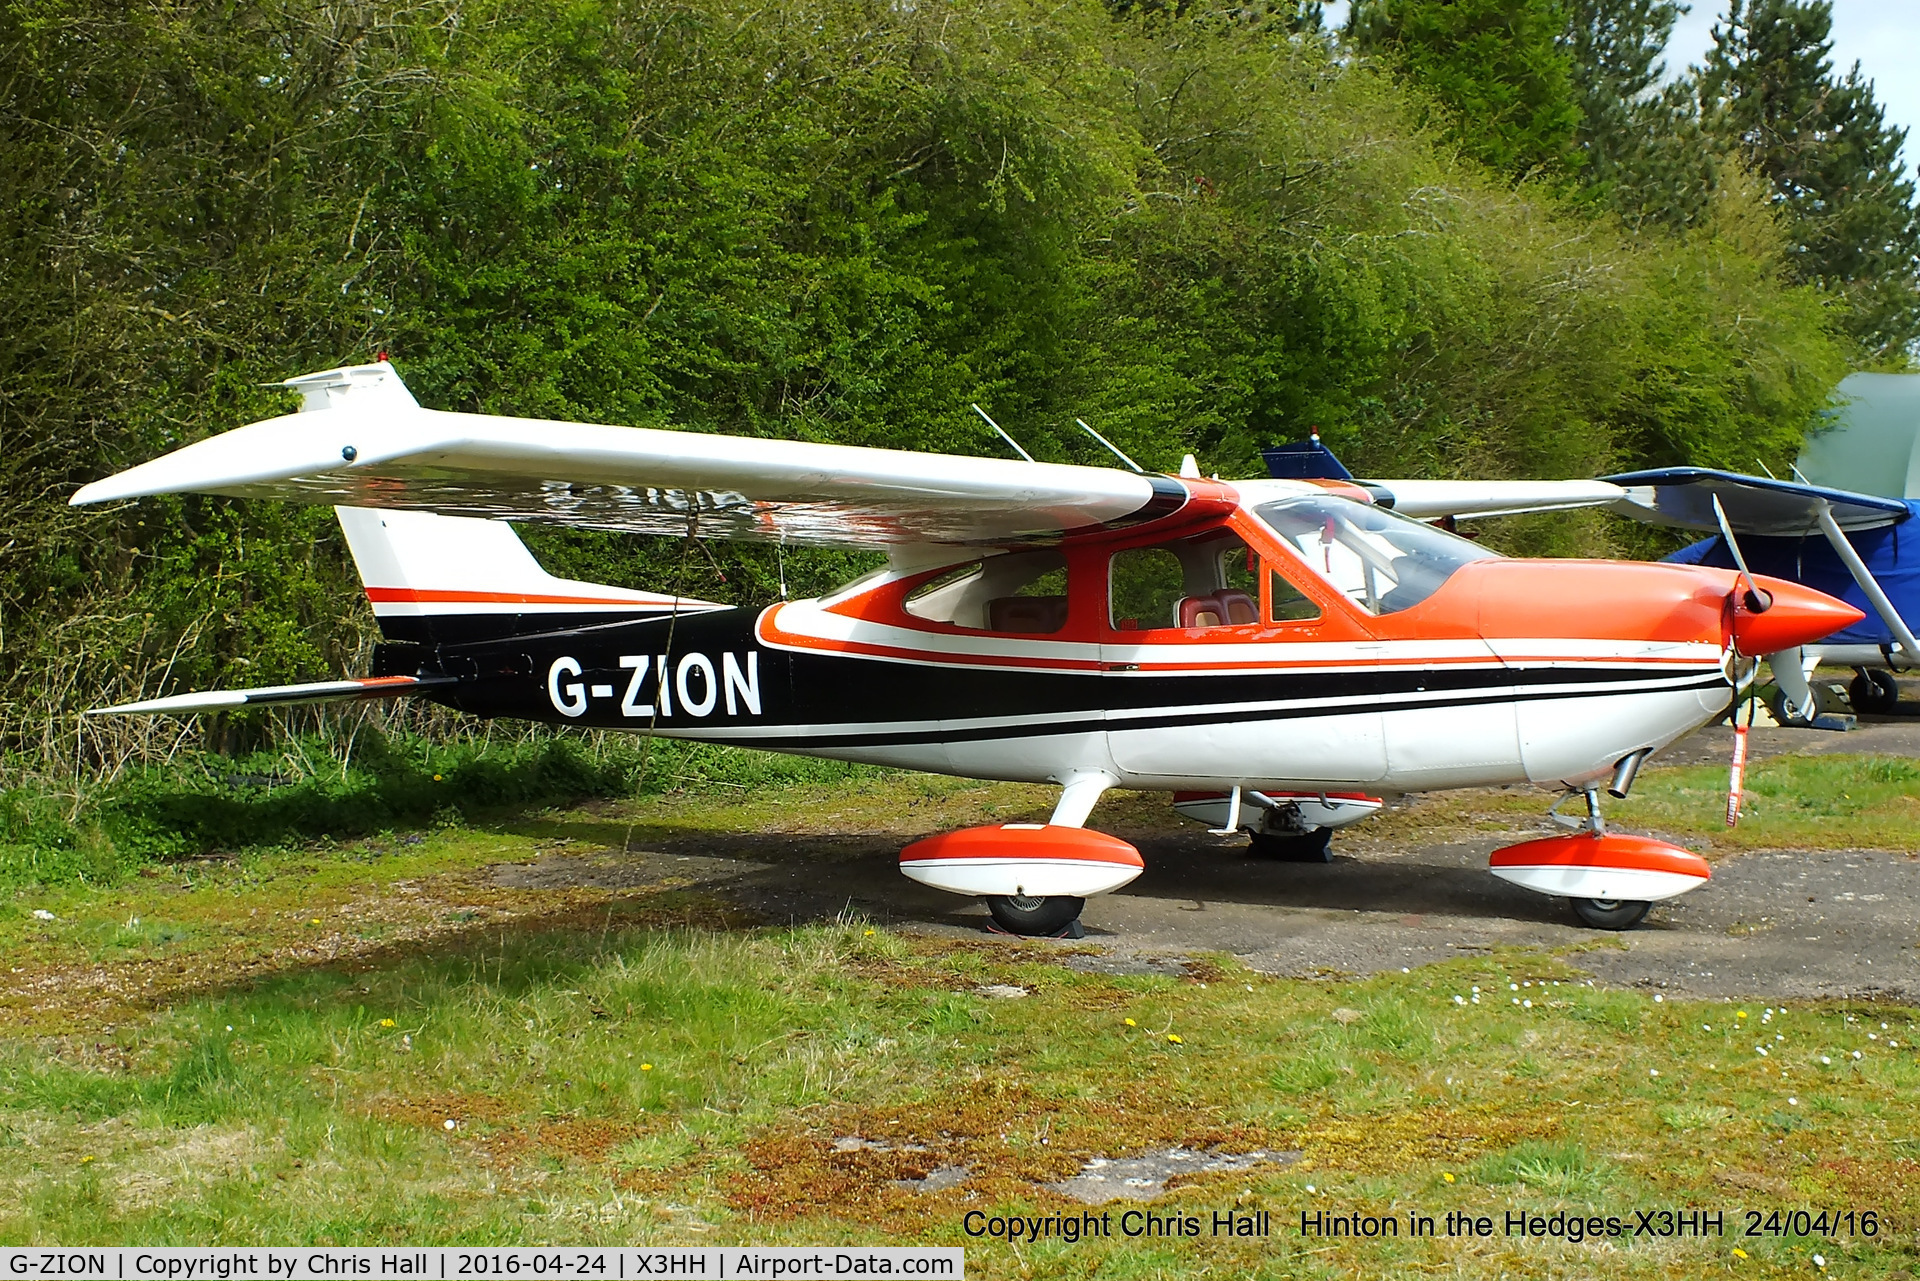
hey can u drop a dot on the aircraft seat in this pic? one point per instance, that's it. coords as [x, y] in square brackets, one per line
[1033, 615]
[1241, 608]
[1202, 611]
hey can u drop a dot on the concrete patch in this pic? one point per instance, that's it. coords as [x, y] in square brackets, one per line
[937, 1180]
[1144, 1177]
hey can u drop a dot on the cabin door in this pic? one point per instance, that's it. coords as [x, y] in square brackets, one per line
[1221, 668]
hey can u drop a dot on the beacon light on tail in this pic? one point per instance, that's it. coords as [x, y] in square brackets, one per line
[1300, 650]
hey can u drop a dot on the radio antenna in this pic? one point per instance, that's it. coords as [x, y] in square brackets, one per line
[1111, 447]
[1003, 434]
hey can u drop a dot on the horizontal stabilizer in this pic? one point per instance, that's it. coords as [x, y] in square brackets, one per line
[1682, 497]
[225, 700]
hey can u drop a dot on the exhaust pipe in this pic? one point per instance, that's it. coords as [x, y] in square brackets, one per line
[1625, 770]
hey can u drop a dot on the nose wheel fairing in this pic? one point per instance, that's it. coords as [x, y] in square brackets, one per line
[1614, 867]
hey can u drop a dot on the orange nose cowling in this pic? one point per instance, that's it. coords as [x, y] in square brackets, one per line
[1798, 616]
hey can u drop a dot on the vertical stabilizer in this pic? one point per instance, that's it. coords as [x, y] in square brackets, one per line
[449, 580]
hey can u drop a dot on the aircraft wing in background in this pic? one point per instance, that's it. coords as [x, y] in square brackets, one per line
[1683, 497]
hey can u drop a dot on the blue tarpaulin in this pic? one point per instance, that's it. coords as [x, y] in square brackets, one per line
[1811, 560]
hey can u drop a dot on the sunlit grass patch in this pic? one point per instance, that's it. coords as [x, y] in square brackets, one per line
[1829, 802]
[643, 1063]
[1696, 1116]
[1559, 1169]
[639, 1083]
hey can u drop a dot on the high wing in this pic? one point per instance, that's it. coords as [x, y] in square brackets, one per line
[1311, 461]
[1429, 499]
[1683, 497]
[361, 440]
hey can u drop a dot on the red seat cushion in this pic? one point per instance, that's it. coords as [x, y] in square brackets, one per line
[1202, 611]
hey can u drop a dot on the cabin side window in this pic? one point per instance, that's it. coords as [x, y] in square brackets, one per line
[1380, 561]
[1022, 593]
[1212, 580]
[1287, 603]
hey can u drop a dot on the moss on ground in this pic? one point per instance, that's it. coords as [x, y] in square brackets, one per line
[381, 1041]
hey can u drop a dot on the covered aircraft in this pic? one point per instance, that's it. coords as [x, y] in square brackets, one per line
[1284, 652]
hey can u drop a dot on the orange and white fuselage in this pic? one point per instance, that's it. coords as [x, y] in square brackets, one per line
[1039, 622]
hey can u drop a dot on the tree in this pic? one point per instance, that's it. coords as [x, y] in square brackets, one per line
[1646, 154]
[814, 219]
[1833, 163]
[1498, 67]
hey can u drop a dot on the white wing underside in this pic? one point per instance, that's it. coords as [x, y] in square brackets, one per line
[1430, 499]
[362, 441]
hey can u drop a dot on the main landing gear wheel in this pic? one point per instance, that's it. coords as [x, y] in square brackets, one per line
[1609, 914]
[1295, 847]
[1875, 690]
[1785, 714]
[1045, 916]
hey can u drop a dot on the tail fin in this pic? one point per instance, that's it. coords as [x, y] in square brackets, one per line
[450, 580]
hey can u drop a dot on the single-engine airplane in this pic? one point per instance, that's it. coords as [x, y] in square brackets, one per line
[1290, 650]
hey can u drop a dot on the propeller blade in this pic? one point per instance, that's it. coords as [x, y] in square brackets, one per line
[1757, 601]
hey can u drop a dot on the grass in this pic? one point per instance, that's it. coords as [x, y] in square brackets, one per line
[203, 803]
[1827, 802]
[270, 1047]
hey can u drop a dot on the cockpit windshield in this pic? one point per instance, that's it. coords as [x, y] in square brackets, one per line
[1382, 562]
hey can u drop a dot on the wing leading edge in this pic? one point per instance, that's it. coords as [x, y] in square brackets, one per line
[361, 440]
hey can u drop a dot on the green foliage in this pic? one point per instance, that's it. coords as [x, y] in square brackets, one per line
[1197, 228]
[1823, 144]
[1497, 66]
[1648, 156]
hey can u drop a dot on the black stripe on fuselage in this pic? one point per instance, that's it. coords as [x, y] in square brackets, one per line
[816, 690]
[462, 629]
[1202, 716]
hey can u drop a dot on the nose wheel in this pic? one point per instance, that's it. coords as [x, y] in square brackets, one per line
[1600, 913]
[1045, 917]
[1608, 914]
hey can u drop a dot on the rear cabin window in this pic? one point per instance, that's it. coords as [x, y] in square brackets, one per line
[1023, 593]
[1209, 581]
